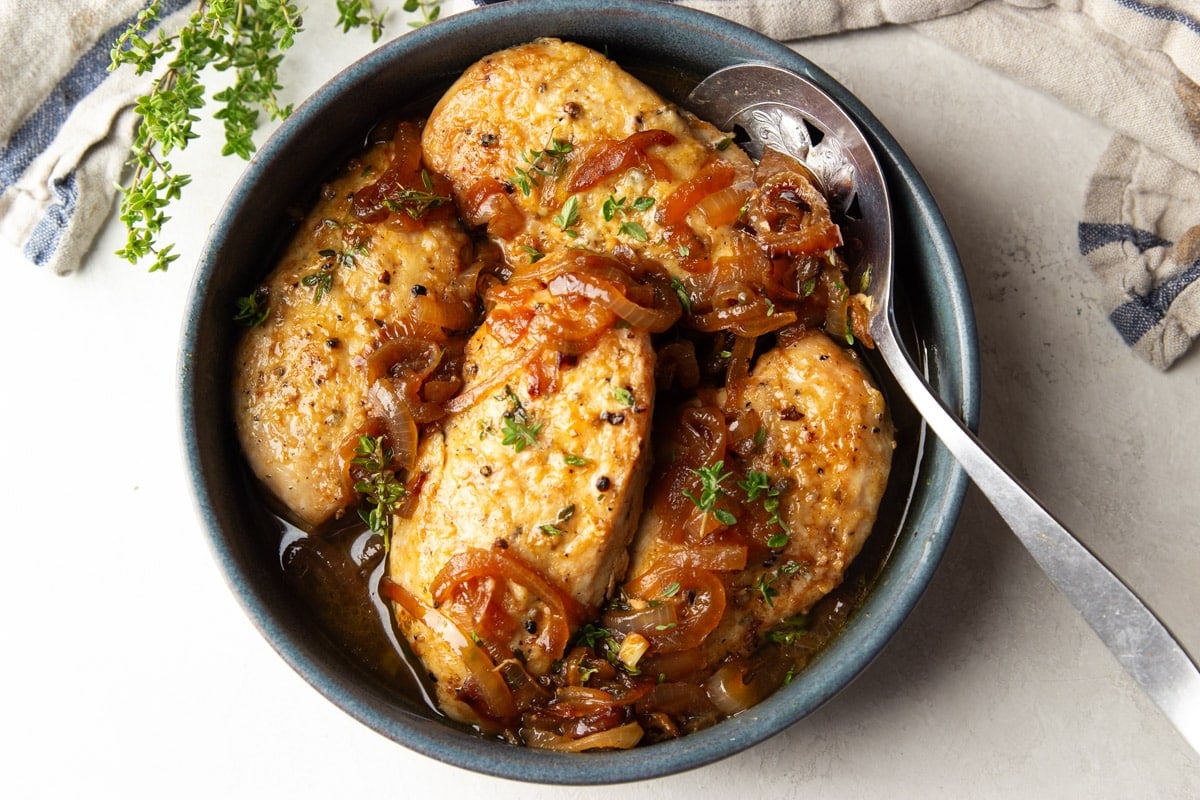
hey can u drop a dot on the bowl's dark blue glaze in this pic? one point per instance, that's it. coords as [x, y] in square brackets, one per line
[663, 43]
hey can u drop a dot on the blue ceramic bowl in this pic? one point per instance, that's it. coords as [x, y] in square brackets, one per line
[669, 47]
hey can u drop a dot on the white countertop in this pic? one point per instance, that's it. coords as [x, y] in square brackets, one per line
[130, 670]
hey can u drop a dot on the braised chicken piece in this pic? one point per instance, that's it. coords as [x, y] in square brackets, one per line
[763, 498]
[528, 497]
[552, 146]
[379, 250]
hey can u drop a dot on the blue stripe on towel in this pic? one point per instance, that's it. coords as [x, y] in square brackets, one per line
[1134, 318]
[1160, 13]
[41, 127]
[1094, 235]
[44, 239]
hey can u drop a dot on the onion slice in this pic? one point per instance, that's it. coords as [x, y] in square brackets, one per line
[400, 427]
[497, 699]
[622, 737]
[457, 587]
[655, 319]
[616, 156]
[697, 595]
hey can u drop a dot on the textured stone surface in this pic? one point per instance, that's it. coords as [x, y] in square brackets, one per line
[994, 689]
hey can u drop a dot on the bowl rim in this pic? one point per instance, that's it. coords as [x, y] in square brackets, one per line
[956, 362]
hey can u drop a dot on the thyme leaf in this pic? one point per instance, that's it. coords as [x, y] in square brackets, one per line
[378, 486]
[711, 478]
[766, 581]
[252, 309]
[568, 216]
[243, 38]
[548, 162]
[517, 429]
[758, 485]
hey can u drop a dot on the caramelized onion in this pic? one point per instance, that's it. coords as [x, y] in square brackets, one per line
[462, 587]
[443, 314]
[744, 261]
[616, 156]
[439, 391]
[697, 595]
[495, 696]
[650, 617]
[396, 369]
[654, 319]
[526, 690]
[738, 370]
[487, 201]
[572, 327]
[399, 426]
[369, 203]
[622, 737]
[745, 428]
[704, 434]
[738, 308]
[677, 365]
[712, 557]
[789, 213]
[675, 698]
[729, 691]
[406, 358]
[577, 701]
[722, 207]
[716, 175]
[677, 666]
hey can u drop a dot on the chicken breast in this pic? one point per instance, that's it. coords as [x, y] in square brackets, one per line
[528, 498]
[812, 483]
[299, 378]
[592, 158]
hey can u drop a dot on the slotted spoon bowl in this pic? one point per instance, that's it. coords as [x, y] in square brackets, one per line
[779, 109]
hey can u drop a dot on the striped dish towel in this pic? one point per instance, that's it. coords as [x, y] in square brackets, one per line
[1132, 64]
[69, 127]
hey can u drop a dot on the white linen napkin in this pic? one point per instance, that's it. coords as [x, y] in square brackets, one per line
[1132, 64]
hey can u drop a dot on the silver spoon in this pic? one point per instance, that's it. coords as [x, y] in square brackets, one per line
[777, 109]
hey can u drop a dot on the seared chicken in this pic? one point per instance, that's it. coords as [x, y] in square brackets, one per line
[527, 501]
[824, 453]
[554, 146]
[300, 381]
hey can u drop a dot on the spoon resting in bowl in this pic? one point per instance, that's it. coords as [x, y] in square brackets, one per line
[781, 110]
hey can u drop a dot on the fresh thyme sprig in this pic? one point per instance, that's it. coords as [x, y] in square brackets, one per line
[245, 37]
[548, 162]
[430, 10]
[615, 207]
[416, 202]
[379, 486]
[759, 485]
[711, 479]
[356, 13]
[518, 429]
[252, 309]
[766, 581]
